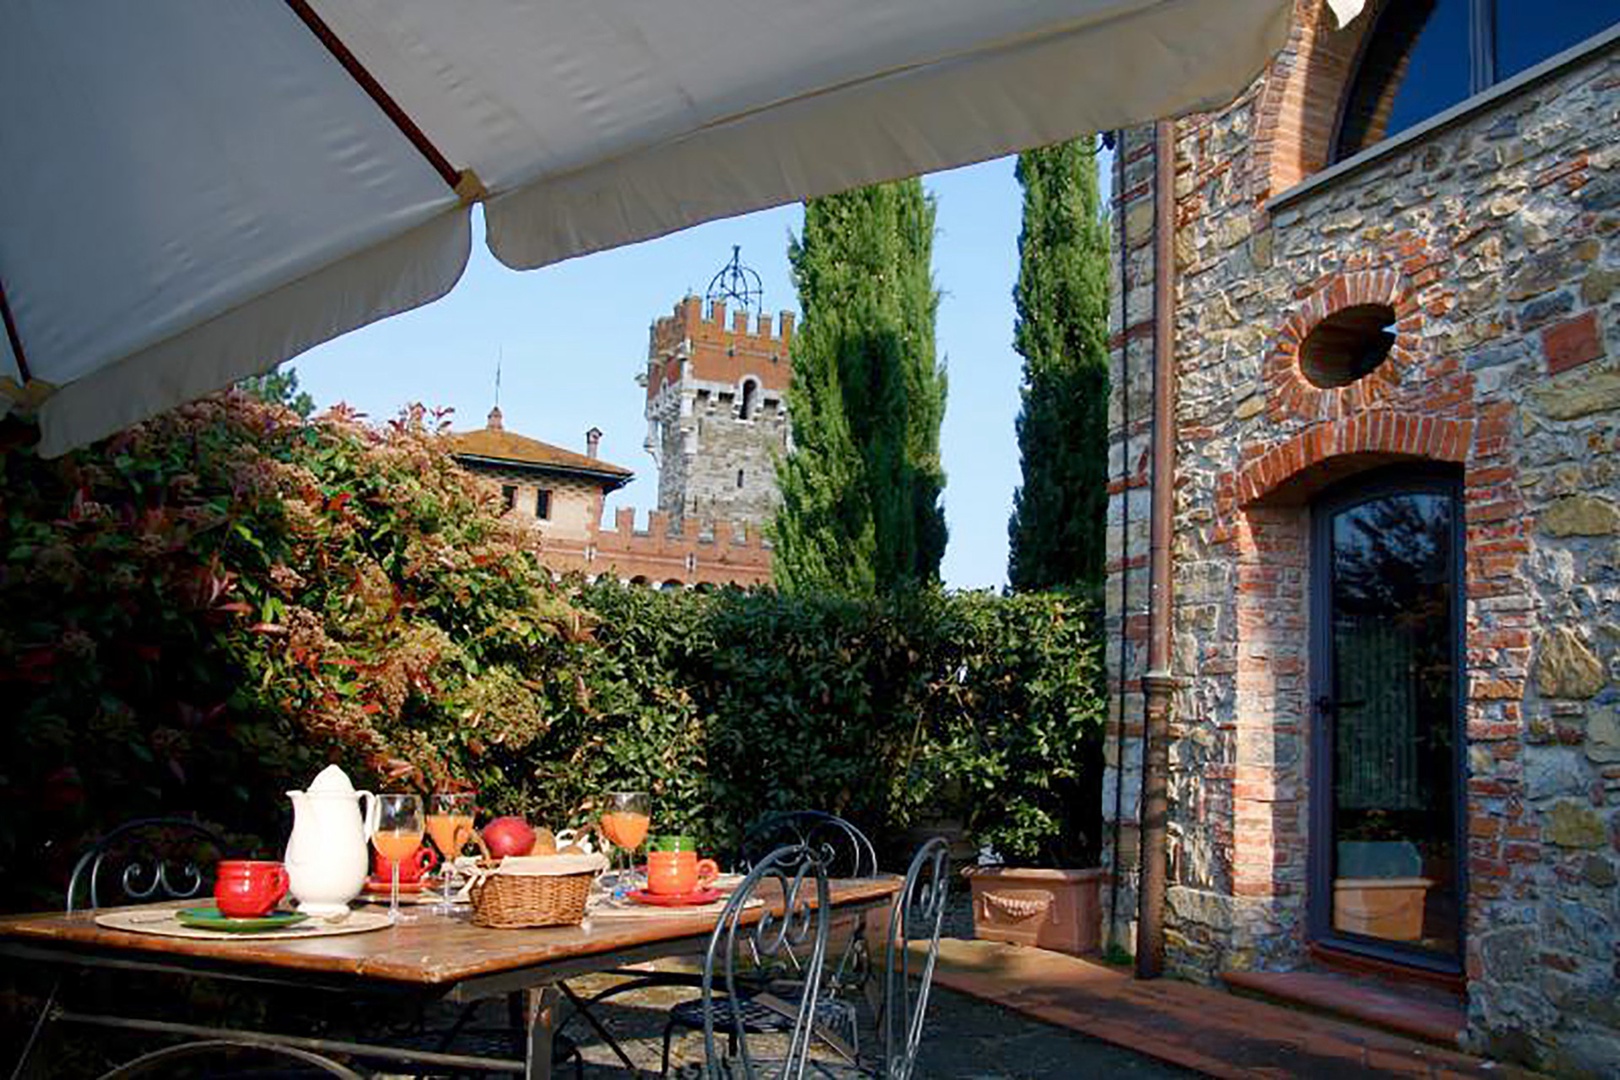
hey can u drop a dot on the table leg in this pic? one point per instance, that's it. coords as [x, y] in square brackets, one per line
[540, 1007]
[872, 930]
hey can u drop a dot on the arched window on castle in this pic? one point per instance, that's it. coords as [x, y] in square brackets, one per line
[1424, 56]
[749, 396]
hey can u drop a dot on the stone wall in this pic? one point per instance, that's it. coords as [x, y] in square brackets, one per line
[1497, 243]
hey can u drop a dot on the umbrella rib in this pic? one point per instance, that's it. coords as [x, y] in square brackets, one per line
[13, 336]
[463, 184]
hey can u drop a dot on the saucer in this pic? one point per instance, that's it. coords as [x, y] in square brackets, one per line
[209, 918]
[691, 899]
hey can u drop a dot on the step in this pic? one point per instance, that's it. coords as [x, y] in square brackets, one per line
[1428, 1014]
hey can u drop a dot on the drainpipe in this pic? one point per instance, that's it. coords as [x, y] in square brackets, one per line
[1124, 527]
[1157, 682]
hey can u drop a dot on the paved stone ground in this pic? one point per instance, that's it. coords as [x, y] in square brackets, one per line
[1197, 1027]
[966, 1039]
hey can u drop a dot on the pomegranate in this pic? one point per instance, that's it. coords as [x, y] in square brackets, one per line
[508, 836]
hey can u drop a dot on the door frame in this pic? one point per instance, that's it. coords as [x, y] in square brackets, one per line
[1407, 478]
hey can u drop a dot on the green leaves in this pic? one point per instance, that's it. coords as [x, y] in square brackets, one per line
[366, 604]
[861, 490]
[894, 711]
[1056, 528]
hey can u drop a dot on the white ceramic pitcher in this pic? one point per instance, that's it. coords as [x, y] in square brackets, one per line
[326, 855]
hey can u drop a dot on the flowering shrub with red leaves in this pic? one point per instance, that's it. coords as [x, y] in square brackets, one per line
[199, 612]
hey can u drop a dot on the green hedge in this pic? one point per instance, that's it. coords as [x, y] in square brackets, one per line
[198, 613]
[972, 707]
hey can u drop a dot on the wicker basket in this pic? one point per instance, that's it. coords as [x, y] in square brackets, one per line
[546, 890]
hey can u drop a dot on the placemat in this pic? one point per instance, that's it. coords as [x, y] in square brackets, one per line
[166, 924]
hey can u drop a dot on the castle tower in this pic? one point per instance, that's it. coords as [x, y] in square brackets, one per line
[716, 408]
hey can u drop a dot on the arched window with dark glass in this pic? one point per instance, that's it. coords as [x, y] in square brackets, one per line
[750, 391]
[1424, 56]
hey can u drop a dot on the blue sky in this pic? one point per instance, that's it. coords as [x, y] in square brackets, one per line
[572, 337]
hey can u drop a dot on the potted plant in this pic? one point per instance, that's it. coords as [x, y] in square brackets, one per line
[1032, 783]
[1040, 894]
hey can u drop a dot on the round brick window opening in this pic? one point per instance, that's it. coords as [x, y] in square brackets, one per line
[1347, 345]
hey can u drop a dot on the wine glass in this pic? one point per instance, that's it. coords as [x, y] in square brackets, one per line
[397, 833]
[625, 819]
[450, 824]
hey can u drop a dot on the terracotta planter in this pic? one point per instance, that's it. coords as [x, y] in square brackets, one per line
[1388, 908]
[1050, 909]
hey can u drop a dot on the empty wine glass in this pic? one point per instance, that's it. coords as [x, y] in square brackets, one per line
[450, 824]
[397, 833]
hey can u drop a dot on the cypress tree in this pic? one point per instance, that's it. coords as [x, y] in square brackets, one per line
[861, 489]
[1056, 529]
[279, 386]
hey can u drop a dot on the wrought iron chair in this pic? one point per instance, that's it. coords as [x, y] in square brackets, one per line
[163, 858]
[844, 851]
[805, 921]
[917, 916]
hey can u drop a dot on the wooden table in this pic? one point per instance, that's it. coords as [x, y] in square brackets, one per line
[437, 957]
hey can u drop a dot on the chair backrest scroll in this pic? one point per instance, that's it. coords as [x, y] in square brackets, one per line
[795, 917]
[165, 858]
[917, 916]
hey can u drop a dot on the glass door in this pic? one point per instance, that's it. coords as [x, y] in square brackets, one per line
[1386, 845]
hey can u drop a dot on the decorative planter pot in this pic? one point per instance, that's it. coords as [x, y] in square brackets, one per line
[1050, 909]
[1388, 908]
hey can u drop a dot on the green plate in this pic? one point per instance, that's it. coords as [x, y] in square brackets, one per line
[209, 918]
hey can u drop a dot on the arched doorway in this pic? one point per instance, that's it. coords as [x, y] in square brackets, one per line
[1387, 777]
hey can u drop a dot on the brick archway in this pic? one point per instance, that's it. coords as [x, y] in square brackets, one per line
[1385, 432]
[1299, 106]
[1291, 395]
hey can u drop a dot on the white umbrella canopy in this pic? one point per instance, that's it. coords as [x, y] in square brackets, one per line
[195, 191]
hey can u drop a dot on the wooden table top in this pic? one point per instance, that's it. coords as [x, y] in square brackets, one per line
[436, 951]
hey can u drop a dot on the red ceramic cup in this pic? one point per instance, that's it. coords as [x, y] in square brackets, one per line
[248, 888]
[411, 867]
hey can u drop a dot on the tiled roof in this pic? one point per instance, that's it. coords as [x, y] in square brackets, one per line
[496, 445]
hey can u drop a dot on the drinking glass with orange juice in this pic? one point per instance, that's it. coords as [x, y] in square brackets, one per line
[625, 820]
[450, 824]
[396, 834]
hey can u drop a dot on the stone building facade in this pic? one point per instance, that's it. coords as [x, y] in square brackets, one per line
[716, 411]
[560, 494]
[557, 492]
[1410, 346]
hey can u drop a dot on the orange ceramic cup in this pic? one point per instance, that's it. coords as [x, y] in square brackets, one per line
[674, 873]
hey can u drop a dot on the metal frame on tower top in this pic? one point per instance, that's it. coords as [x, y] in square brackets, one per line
[736, 282]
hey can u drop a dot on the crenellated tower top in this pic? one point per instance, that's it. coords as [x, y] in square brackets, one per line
[716, 381]
[721, 346]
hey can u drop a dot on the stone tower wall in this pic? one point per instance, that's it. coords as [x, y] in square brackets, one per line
[713, 462]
